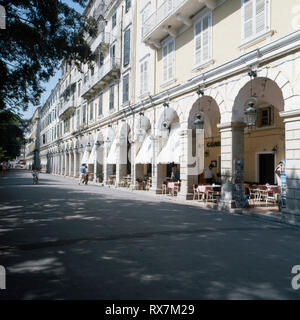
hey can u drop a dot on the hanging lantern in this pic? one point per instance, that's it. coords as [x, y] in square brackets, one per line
[88, 147]
[250, 111]
[199, 122]
[250, 114]
[165, 123]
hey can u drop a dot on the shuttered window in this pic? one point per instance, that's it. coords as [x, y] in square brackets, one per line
[168, 61]
[202, 39]
[126, 47]
[91, 111]
[111, 98]
[254, 18]
[144, 77]
[125, 88]
[100, 104]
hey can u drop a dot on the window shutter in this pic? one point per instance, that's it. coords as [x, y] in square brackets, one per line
[125, 88]
[248, 18]
[126, 47]
[100, 105]
[165, 63]
[171, 60]
[198, 43]
[205, 38]
[145, 76]
[141, 78]
[260, 16]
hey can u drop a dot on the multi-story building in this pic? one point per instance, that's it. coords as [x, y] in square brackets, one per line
[173, 92]
[32, 136]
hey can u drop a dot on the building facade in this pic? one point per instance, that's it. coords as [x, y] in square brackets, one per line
[32, 136]
[164, 64]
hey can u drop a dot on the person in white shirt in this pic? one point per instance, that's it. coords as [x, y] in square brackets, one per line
[208, 174]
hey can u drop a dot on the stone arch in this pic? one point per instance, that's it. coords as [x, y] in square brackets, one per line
[209, 109]
[264, 89]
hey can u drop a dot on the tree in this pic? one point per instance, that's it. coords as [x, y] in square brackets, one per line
[12, 129]
[39, 35]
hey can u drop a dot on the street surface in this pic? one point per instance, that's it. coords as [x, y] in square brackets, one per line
[59, 240]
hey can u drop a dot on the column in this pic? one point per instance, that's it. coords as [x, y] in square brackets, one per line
[121, 166]
[292, 146]
[66, 171]
[232, 148]
[76, 162]
[70, 173]
[191, 160]
[157, 169]
[134, 171]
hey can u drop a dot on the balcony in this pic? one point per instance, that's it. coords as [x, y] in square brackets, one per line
[170, 17]
[105, 75]
[67, 109]
[101, 42]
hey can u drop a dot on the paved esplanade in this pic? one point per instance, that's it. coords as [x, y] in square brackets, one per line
[62, 240]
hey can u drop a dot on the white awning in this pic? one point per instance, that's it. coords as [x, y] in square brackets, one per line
[112, 155]
[44, 161]
[85, 157]
[145, 154]
[92, 157]
[171, 151]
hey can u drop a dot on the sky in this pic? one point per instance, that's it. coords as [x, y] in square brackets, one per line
[52, 82]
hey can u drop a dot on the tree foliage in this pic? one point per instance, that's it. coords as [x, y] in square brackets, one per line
[39, 35]
[12, 129]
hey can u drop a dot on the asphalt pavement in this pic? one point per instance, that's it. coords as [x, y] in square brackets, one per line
[61, 240]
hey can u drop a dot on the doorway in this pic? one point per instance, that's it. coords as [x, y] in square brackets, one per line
[266, 167]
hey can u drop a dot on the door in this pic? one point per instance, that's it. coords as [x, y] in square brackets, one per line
[266, 168]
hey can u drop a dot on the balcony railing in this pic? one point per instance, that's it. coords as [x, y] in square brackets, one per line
[170, 17]
[105, 74]
[67, 108]
[165, 10]
[102, 41]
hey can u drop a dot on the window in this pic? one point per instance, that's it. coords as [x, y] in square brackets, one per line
[127, 5]
[92, 71]
[111, 98]
[101, 59]
[114, 20]
[202, 39]
[113, 53]
[91, 111]
[83, 114]
[265, 116]
[144, 16]
[254, 18]
[100, 104]
[144, 77]
[79, 88]
[67, 125]
[78, 118]
[126, 47]
[85, 77]
[125, 88]
[168, 60]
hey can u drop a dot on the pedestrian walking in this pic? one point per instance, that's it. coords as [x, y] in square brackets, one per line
[82, 173]
[86, 176]
[35, 175]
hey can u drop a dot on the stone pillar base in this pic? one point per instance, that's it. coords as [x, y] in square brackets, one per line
[156, 191]
[185, 196]
[226, 205]
[291, 216]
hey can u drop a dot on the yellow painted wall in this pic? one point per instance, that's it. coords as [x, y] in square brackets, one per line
[226, 38]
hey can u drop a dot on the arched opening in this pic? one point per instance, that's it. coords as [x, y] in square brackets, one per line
[264, 143]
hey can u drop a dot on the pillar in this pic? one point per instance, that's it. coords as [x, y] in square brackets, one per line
[191, 160]
[291, 120]
[232, 148]
[76, 164]
[157, 169]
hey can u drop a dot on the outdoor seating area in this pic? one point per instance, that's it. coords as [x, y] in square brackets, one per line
[262, 194]
[144, 183]
[207, 192]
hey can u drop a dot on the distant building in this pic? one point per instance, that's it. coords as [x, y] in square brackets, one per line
[32, 136]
